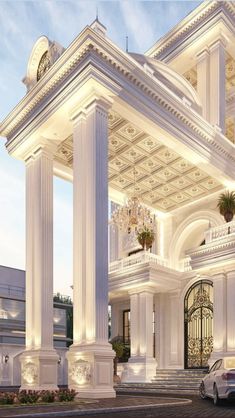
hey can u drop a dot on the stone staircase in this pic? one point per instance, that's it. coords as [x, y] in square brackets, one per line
[168, 381]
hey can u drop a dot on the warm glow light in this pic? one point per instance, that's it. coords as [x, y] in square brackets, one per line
[229, 184]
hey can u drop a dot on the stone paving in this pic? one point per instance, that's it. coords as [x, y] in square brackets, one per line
[94, 407]
[131, 406]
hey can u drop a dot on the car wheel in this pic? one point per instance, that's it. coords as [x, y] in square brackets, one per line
[202, 391]
[216, 398]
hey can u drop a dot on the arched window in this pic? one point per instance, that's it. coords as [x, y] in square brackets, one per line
[198, 324]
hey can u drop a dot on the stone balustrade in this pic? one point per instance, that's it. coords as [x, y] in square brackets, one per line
[218, 232]
[142, 257]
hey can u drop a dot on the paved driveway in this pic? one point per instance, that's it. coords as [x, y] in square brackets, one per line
[198, 409]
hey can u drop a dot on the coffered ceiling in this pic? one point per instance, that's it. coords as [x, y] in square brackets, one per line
[162, 178]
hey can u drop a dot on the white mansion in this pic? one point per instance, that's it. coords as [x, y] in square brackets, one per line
[162, 126]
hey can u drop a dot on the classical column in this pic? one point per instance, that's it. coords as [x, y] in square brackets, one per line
[203, 81]
[39, 360]
[231, 312]
[91, 357]
[219, 316]
[217, 83]
[141, 366]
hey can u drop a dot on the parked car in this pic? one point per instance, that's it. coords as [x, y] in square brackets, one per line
[219, 382]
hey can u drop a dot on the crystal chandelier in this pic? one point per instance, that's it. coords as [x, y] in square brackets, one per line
[133, 216]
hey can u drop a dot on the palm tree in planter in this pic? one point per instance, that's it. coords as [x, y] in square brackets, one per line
[145, 238]
[226, 205]
[118, 347]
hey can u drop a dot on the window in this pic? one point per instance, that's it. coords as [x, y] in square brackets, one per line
[126, 326]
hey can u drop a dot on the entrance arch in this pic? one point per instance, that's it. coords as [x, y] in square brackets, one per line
[198, 324]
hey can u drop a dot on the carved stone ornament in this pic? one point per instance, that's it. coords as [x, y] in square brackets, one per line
[81, 372]
[44, 65]
[43, 56]
[29, 372]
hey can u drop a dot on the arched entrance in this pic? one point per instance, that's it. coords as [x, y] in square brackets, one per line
[198, 324]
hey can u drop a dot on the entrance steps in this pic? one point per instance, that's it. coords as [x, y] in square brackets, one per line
[168, 381]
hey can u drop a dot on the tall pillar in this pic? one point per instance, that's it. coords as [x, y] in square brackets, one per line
[219, 317]
[217, 83]
[141, 366]
[203, 81]
[39, 360]
[231, 312]
[90, 357]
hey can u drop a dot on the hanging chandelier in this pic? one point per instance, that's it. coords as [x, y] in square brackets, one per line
[133, 216]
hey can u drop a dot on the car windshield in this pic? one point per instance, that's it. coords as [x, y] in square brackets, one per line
[229, 363]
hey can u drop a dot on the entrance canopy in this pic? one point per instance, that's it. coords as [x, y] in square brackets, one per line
[155, 122]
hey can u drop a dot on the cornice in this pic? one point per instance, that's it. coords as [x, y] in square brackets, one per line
[219, 252]
[190, 24]
[99, 58]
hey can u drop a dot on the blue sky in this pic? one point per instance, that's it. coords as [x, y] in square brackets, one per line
[21, 23]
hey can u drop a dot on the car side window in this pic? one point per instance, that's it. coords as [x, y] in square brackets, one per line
[216, 366]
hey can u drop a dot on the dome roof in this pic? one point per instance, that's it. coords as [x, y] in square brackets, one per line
[171, 79]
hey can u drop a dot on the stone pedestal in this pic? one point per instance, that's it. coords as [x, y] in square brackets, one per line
[90, 371]
[39, 370]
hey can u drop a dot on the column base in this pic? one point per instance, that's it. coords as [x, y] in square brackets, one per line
[90, 370]
[39, 370]
[139, 370]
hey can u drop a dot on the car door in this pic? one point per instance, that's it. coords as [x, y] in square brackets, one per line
[210, 378]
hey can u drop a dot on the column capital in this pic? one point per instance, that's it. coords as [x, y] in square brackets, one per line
[220, 41]
[144, 289]
[202, 54]
[89, 103]
[231, 274]
[218, 276]
[43, 146]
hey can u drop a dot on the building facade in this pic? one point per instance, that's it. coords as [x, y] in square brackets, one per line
[12, 327]
[160, 125]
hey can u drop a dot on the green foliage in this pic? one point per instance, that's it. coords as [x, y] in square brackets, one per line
[28, 396]
[62, 299]
[145, 237]
[7, 398]
[226, 205]
[37, 396]
[118, 346]
[47, 396]
[66, 395]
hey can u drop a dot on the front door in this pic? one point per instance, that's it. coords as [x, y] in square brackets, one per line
[198, 324]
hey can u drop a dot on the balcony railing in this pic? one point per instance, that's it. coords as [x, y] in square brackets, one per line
[185, 264]
[143, 257]
[218, 232]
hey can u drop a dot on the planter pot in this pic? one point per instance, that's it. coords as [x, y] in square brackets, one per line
[228, 216]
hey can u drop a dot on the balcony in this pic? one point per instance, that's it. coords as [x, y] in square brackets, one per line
[133, 260]
[140, 270]
[219, 247]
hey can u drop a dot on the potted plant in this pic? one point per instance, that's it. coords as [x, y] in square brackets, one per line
[118, 347]
[226, 205]
[145, 237]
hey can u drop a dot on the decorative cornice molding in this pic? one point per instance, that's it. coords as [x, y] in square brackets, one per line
[98, 56]
[190, 24]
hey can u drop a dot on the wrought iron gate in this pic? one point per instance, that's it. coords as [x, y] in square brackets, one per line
[198, 324]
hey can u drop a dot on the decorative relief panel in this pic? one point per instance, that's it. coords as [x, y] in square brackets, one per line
[29, 372]
[80, 372]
